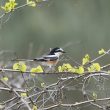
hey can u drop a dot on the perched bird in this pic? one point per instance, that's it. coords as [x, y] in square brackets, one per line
[52, 58]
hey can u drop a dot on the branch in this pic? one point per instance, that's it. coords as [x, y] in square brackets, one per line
[107, 52]
[8, 89]
[76, 104]
[16, 93]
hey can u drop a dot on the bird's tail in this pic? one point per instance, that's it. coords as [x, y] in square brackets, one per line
[30, 60]
[22, 60]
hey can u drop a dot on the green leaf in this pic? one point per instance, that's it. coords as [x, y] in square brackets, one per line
[60, 69]
[102, 51]
[86, 59]
[34, 107]
[94, 67]
[43, 84]
[80, 70]
[20, 66]
[9, 6]
[38, 69]
[23, 94]
[94, 95]
[66, 67]
[5, 78]
[31, 3]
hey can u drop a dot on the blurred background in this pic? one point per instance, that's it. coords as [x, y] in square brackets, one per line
[78, 26]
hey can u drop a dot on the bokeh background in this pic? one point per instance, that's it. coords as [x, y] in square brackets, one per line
[78, 26]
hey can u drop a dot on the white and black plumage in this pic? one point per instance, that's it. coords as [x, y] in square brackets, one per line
[52, 58]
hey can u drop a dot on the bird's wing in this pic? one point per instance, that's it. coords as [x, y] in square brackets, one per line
[39, 59]
[47, 58]
[50, 57]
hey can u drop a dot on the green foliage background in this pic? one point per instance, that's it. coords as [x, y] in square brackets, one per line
[80, 26]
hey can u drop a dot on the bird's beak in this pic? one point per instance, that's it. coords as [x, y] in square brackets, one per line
[63, 52]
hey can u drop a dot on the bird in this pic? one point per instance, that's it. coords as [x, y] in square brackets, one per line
[52, 58]
[49, 60]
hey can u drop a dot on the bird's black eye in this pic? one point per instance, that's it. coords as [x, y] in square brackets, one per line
[58, 51]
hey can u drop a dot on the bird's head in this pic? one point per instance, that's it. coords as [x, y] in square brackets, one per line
[56, 51]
